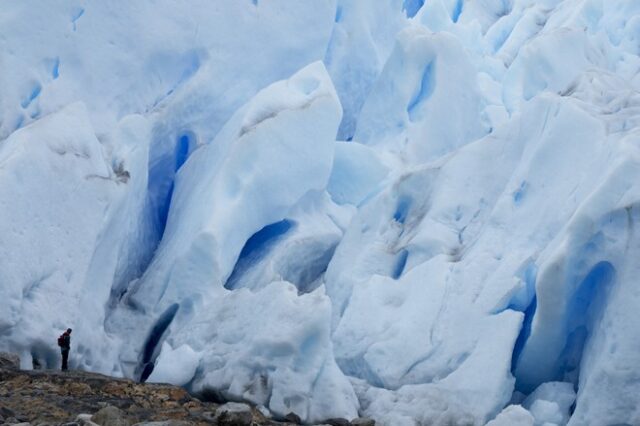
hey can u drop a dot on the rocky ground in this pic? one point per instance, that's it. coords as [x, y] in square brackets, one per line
[78, 398]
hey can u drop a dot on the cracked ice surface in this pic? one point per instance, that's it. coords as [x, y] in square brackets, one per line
[424, 212]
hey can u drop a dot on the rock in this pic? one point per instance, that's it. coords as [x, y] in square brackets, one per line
[234, 414]
[6, 412]
[52, 398]
[22, 424]
[179, 394]
[110, 416]
[85, 420]
[293, 418]
[166, 423]
[363, 421]
[209, 416]
[338, 422]
[9, 361]
[76, 389]
[264, 411]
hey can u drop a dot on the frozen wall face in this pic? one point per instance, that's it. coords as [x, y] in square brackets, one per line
[78, 224]
[423, 212]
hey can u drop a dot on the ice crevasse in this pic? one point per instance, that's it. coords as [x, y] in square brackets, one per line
[424, 212]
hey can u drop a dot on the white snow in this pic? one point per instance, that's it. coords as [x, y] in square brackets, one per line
[423, 212]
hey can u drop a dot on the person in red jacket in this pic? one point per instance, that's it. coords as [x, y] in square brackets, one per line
[64, 341]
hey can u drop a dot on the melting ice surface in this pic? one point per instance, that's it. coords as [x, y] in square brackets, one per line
[425, 212]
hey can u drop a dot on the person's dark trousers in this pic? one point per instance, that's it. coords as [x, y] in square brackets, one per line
[65, 358]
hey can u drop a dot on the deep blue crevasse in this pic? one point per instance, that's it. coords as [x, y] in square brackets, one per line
[150, 349]
[256, 247]
[525, 332]
[424, 91]
[585, 307]
[402, 209]
[161, 180]
[400, 264]
[457, 11]
[411, 7]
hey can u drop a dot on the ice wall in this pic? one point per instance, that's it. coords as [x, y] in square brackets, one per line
[69, 220]
[419, 211]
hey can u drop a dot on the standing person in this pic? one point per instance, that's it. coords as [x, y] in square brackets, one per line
[64, 341]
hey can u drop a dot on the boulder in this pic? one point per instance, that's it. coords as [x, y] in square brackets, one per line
[110, 416]
[293, 418]
[6, 412]
[9, 361]
[338, 422]
[209, 416]
[234, 414]
[85, 420]
[363, 421]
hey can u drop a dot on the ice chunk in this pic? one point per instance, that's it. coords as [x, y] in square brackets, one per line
[258, 167]
[580, 274]
[356, 174]
[272, 154]
[271, 347]
[551, 402]
[537, 67]
[176, 366]
[297, 249]
[419, 243]
[428, 80]
[513, 415]
[362, 39]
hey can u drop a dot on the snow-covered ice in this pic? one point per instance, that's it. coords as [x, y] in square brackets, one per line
[423, 212]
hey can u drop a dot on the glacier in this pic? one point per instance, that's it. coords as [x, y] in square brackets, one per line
[419, 211]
